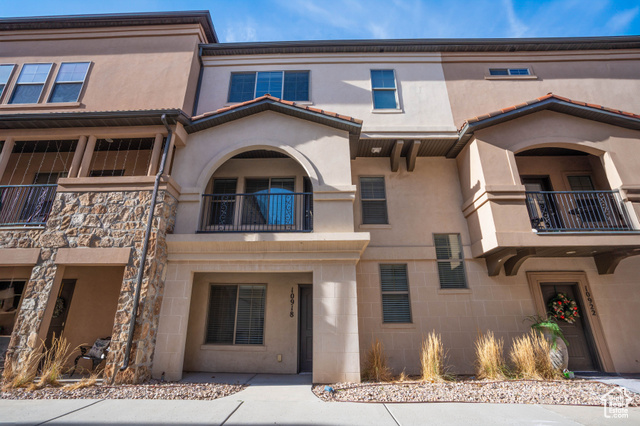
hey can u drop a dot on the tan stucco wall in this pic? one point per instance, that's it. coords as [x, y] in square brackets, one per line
[342, 83]
[597, 77]
[154, 65]
[280, 330]
[321, 151]
[93, 305]
[559, 168]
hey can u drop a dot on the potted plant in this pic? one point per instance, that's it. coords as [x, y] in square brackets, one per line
[549, 328]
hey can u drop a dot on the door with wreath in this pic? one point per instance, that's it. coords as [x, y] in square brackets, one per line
[60, 310]
[581, 347]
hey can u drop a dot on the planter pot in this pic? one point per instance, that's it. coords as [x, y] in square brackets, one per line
[560, 354]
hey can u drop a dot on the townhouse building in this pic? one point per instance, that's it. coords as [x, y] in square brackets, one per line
[313, 196]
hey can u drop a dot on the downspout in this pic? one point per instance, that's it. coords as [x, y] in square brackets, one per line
[145, 247]
[196, 100]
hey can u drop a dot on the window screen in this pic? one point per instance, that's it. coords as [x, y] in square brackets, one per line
[450, 260]
[69, 82]
[374, 202]
[236, 314]
[383, 84]
[30, 83]
[395, 293]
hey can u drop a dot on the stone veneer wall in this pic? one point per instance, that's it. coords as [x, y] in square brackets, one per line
[99, 219]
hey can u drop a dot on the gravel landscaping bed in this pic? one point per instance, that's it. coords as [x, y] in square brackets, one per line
[574, 392]
[202, 391]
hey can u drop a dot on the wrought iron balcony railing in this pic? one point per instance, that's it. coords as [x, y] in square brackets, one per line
[578, 211]
[258, 212]
[26, 205]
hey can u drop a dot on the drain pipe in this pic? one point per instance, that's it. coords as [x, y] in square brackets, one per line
[145, 247]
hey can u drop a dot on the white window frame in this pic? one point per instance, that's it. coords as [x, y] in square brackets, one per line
[364, 200]
[452, 259]
[44, 83]
[510, 76]
[55, 82]
[395, 89]
[9, 78]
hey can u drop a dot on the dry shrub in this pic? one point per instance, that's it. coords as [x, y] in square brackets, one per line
[375, 367]
[489, 357]
[402, 377]
[85, 382]
[54, 360]
[432, 358]
[23, 376]
[530, 355]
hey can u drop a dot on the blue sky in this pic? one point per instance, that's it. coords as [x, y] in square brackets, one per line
[271, 20]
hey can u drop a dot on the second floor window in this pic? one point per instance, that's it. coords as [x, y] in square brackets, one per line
[287, 85]
[383, 84]
[5, 74]
[30, 83]
[69, 82]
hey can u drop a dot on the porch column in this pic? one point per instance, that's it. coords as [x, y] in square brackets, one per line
[7, 148]
[155, 155]
[87, 156]
[336, 348]
[77, 157]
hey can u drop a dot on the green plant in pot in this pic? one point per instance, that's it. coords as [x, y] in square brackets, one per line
[549, 328]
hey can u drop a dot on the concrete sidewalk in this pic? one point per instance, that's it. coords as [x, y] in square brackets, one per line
[288, 400]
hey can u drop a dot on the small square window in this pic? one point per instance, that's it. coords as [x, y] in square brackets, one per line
[396, 307]
[69, 82]
[450, 259]
[5, 75]
[236, 315]
[374, 201]
[383, 85]
[30, 83]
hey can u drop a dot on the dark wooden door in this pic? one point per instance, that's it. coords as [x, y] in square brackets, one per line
[305, 327]
[581, 349]
[59, 317]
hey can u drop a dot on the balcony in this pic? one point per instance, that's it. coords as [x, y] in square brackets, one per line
[257, 212]
[577, 211]
[26, 205]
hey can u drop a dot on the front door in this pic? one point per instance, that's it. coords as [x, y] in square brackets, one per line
[305, 327]
[60, 310]
[581, 348]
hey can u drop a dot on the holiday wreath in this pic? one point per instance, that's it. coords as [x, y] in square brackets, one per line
[563, 308]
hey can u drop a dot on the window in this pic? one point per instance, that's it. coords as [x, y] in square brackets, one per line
[272, 201]
[509, 71]
[5, 74]
[450, 261]
[374, 202]
[69, 82]
[30, 83]
[383, 84]
[236, 315]
[287, 85]
[580, 183]
[395, 293]
[223, 202]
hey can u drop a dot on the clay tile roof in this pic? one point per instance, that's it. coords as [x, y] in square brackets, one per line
[259, 104]
[550, 97]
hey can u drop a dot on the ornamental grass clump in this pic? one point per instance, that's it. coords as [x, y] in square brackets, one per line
[544, 364]
[375, 367]
[54, 360]
[523, 357]
[489, 357]
[25, 374]
[432, 359]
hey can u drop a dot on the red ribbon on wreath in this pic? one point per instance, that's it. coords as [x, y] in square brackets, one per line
[563, 308]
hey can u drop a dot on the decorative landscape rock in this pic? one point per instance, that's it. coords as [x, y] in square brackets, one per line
[99, 219]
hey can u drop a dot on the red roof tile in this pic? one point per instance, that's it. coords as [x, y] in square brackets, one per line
[544, 98]
[282, 101]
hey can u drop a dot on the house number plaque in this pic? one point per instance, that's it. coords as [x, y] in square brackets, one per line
[293, 297]
[587, 293]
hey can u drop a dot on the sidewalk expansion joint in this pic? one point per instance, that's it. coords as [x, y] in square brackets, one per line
[71, 412]
[392, 416]
[232, 413]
